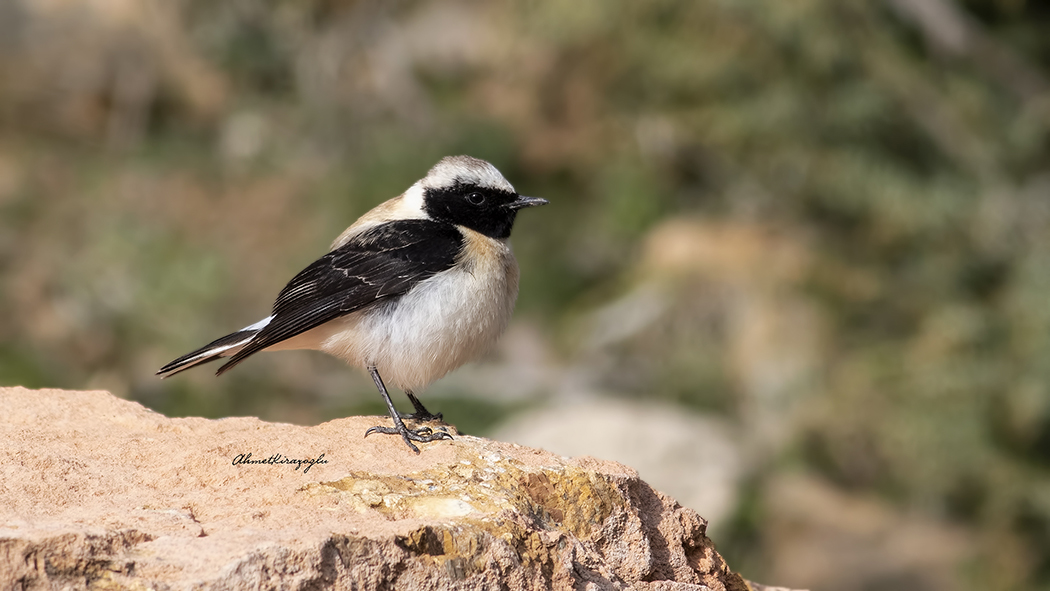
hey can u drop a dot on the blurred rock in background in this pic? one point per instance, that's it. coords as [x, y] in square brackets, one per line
[811, 238]
[690, 457]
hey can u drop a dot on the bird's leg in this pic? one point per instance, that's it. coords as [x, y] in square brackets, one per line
[423, 434]
[421, 414]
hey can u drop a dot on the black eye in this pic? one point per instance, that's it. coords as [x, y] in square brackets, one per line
[476, 198]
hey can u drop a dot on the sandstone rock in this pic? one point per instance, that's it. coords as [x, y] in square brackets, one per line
[99, 492]
[692, 457]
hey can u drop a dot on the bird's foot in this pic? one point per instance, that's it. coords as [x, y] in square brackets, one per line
[423, 417]
[422, 434]
[421, 414]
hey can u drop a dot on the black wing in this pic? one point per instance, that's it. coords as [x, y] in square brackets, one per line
[384, 261]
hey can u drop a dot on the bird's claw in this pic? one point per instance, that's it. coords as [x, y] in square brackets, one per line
[422, 434]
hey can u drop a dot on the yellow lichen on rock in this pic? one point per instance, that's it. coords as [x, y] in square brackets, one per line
[561, 497]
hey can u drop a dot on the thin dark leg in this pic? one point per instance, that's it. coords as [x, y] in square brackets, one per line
[421, 414]
[423, 434]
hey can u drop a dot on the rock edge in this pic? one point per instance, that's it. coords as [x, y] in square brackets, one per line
[99, 492]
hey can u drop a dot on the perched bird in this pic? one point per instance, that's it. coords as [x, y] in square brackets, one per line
[415, 288]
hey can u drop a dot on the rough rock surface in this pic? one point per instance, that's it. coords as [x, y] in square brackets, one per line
[99, 492]
[694, 458]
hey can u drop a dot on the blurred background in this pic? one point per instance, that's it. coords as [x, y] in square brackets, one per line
[795, 268]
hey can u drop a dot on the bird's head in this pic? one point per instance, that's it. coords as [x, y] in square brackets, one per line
[469, 192]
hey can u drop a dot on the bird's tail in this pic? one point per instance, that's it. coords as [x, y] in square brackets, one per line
[221, 347]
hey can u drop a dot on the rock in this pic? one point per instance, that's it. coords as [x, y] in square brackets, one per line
[99, 492]
[830, 539]
[690, 456]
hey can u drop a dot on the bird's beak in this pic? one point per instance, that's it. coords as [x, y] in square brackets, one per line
[523, 202]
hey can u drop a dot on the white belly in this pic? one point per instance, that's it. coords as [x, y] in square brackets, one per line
[442, 323]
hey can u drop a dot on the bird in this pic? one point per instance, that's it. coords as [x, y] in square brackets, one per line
[416, 287]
